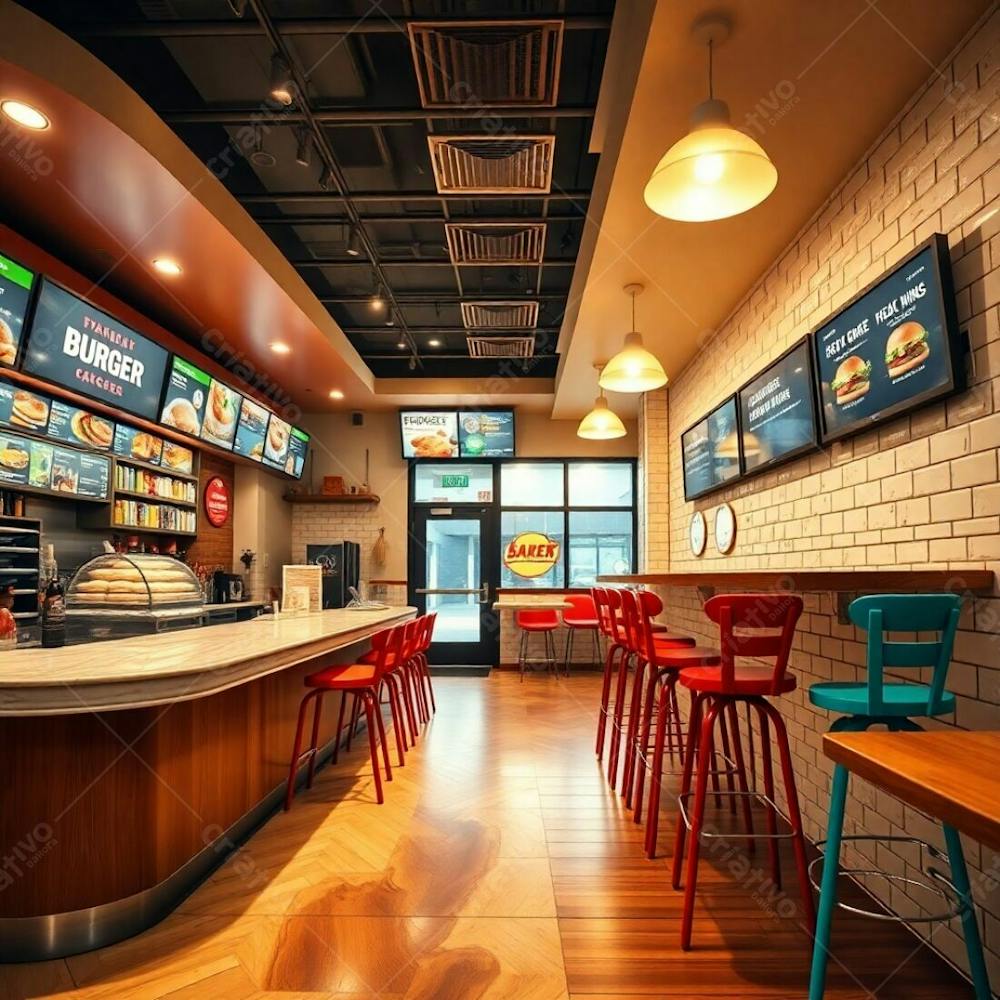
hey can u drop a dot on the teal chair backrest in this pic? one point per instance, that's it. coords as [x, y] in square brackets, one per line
[882, 613]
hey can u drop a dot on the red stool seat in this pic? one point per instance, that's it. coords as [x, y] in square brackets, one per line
[659, 627]
[342, 675]
[579, 622]
[749, 681]
[533, 626]
[684, 657]
[671, 640]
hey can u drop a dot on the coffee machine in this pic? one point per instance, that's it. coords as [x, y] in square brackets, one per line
[227, 588]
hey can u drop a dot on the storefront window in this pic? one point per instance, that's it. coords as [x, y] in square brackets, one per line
[600, 484]
[532, 548]
[532, 484]
[453, 483]
[600, 542]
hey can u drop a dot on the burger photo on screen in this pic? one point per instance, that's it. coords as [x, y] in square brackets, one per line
[852, 379]
[906, 348]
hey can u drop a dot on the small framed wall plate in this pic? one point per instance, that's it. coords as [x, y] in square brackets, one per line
[725, 528]
[698, 533]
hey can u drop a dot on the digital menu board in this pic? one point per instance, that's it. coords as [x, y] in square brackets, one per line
[132, 443]
[26, 462]
[222, 411]
[251, 429]
[185, 396]
[895, 345]
[22, 408]
[777, 415]
[298, 445]
[177, 458]
[710, 451]
[15, 292]
[81, 348]
[276, 442]
[486, 433]
[75, 426]
[429, 433]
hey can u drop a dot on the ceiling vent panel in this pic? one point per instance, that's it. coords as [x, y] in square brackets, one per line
[486, 62]
[474, 164]
[516, 346]
[495, 243]
[500, 315]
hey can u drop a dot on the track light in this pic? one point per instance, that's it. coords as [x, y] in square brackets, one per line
[303, 147]
[281, 87]
[377, 301]
[354, 244]
[326, 181]
[412, 363]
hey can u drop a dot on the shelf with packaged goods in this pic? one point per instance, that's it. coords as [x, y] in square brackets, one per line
[153, 498]
[143, 530]
[103, 517]
[163, 470]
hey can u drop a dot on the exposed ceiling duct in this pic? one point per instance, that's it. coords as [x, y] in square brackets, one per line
[491, 243]
[510, 346]
[472, 164]
[500, 315]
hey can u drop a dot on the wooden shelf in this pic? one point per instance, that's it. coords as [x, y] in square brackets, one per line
[160, 470]
[152, 531]
[153, 498]
[332, 498]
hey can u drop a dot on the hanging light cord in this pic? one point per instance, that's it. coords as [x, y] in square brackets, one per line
[633, 312]
[711, 93]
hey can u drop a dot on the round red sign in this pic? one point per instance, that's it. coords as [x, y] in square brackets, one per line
[216, 501]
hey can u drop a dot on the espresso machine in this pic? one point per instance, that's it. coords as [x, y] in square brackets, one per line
[227, 588]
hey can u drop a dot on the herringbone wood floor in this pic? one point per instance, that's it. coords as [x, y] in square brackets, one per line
[500, 866]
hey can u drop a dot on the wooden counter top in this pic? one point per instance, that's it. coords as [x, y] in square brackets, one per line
[175, 666]
[849, 581]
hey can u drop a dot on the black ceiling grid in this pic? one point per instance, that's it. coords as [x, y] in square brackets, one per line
[453, 135]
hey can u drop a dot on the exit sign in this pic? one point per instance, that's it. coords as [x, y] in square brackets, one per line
[455, 482]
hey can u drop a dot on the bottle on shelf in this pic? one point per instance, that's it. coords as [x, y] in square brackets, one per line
[53, 601]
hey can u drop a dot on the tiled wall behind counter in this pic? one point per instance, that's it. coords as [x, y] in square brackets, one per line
[920, 491]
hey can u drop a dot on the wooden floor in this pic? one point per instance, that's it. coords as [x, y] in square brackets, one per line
[500, 866]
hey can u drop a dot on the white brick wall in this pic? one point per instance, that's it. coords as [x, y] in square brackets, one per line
[921, 491]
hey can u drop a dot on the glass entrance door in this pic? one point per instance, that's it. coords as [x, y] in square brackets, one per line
[451, 575]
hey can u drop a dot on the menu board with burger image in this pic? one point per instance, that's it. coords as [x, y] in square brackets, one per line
[185, 397]
[429, 433]
[130, 442]
[892, 347]
[710, 451]
[777, 416]
[298, 445]
[25, 462]
[177, 458]
[222, 410]
[15, 458]
[79, 473]
[21, 407]
[15, 292]
[251, 430]
[276, 442]
[75, 426]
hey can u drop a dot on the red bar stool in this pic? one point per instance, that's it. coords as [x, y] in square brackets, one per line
[543, 622]
[423, 673]
[605, 602]
[649, 649]
[715, 693]
[581, 616]
[626, 636]
[362, 680]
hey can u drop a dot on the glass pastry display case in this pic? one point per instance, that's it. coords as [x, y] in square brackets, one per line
[116, 595]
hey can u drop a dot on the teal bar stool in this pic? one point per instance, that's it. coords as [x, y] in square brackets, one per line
[895, 705]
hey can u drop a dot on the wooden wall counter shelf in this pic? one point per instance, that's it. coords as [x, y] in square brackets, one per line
[372, 498]
[147, 761]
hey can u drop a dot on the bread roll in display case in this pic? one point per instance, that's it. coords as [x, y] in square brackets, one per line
[119, 595]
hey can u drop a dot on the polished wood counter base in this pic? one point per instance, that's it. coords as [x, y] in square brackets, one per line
[108, 811]
[846, 580]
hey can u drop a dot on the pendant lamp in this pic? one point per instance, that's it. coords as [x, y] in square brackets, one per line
[715, 171]
[602, 423]
[633, 368]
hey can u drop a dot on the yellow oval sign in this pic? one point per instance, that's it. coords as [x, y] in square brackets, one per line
[531, 554]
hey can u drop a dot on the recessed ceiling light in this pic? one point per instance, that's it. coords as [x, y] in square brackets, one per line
[167, 266]
[336, 394]
[279, 348]
[434, 343]
[402, 345]
[24, 114]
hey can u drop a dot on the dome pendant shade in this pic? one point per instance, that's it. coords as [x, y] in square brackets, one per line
[601, 424]
[714, 172]
[633, 369]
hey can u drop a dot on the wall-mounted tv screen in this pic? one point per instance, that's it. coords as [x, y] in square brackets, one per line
[777, 415]
[486, 433]
[222, 410]
[81, 348]
[276, 442]
[15, 293]
[711, 451]
[429, 433]
[80, 427]
[130, 442]
[251, 430]
[185, 397]
[298, 446]
[894, 346]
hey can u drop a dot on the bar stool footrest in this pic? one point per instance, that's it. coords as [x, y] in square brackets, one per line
[760, 797]
[936, 881]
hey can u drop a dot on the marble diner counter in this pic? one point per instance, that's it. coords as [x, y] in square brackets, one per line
[148, 670]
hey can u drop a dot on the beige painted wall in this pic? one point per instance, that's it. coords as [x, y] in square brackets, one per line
[262, 522]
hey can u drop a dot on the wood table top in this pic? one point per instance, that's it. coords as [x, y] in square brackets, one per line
[176, 666]
[841, 580]
[546, 603]
[952, 775]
